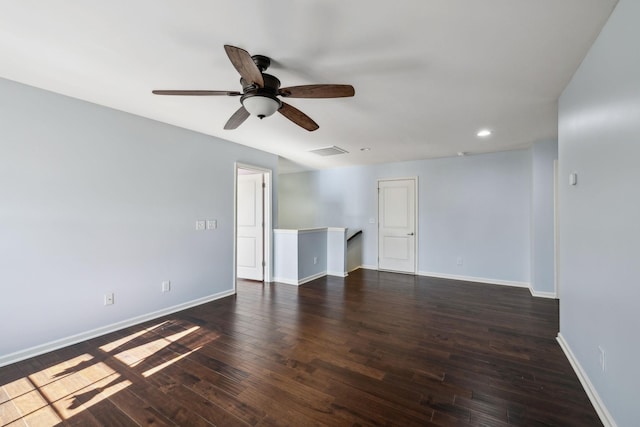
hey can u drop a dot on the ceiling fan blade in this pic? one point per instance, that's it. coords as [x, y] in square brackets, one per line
[196, 92]
[237, 118]
[241, 59]
[298, 117]
[318, 91]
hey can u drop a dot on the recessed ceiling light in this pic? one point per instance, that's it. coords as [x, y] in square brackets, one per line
[483, 133]
[365, 149]
[461, 153]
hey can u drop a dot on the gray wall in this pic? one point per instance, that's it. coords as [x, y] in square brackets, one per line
[599, 219]
[475, 207]
[93, 200]
[543, 155]
[312, 245]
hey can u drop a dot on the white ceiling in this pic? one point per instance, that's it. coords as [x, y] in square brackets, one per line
[427, 73]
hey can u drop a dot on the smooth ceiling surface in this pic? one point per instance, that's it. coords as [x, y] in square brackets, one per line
[428, 74]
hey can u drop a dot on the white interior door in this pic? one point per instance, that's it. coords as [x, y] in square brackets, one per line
[397, 225]
[250, 245]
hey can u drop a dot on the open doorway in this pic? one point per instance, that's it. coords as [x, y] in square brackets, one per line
[253, 223]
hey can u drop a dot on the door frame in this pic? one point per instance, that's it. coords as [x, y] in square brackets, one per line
[267, 218]
[556, 261]
[415, 219]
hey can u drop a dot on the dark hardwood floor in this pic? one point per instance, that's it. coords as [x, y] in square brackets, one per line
[371, 349]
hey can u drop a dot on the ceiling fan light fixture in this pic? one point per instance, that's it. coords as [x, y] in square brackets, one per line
[261, 106]
[260, 92]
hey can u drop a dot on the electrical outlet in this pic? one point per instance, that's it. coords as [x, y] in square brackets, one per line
[200, 225]
[602, 360]
[166, 286]
[212, 224]
[109, 299]
[459, 261]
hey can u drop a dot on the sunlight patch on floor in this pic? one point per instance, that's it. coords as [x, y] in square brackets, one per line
[135, 356]
[122, 341]
[167, 363]
[62, 391]
[24, 403]
[59, 392]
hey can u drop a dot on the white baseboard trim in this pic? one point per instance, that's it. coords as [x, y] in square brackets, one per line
[337, 273]
[84, 336]
[312, 277]
[597, 403]
[475, 279]
[299, 282]
[286, 281]
[551, 295]
[534, 293]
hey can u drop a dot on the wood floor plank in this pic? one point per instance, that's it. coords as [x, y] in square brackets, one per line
[195, 402]
[181, 415]
[371, 349]
[359, 403]
[139, 410]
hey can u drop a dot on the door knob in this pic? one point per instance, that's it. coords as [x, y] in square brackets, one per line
[409, 234]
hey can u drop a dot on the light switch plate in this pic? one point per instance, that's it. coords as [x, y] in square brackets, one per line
[200, 224]
[166, 286]
[573, 178]
[212, 224]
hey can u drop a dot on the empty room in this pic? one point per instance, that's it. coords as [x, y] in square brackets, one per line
[320, 213]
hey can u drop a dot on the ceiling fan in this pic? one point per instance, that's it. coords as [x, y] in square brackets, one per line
[260, 91]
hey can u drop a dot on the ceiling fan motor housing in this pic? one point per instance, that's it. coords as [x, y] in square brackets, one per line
[270, 90]
[262, 62]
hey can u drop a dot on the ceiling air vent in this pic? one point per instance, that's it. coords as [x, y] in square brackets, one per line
[328, 151]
